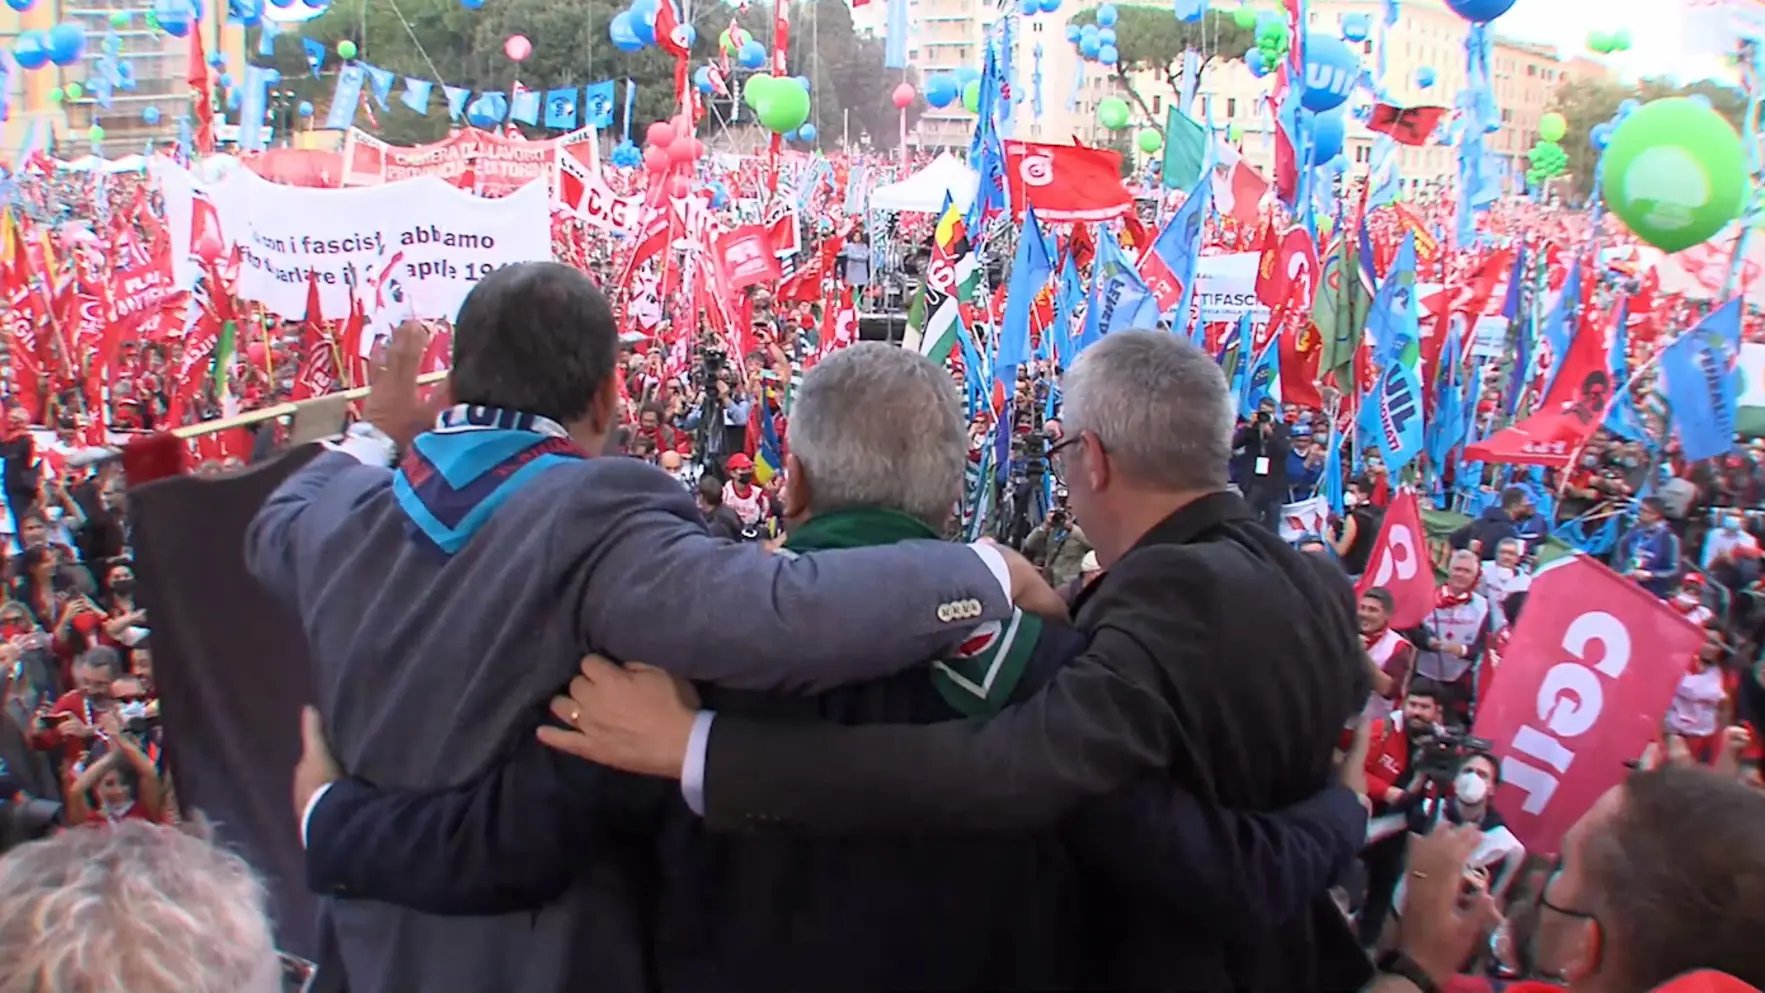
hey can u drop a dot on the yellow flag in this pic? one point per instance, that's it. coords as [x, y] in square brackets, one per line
[8, 236]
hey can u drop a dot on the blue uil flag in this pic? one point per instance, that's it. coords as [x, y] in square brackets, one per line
[1392, 416]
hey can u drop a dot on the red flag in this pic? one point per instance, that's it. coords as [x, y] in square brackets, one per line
[670, 36]
[744, 257]
[1399, 562]
[1065, 182]
[1406, 125]
[197, 77]
[1271, 281]
[1584, 684]
[1572, 410]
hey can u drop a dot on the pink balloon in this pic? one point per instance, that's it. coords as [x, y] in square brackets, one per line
[682, 151]
[655, 159]
[680, 186]
[254, 353]
[517, 47]
[660, 135]
[903, 96]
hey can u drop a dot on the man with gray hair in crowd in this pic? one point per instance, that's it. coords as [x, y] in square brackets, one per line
[877, 455]
[133, 908]
[1220, 661]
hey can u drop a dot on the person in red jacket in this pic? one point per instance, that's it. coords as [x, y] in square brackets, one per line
[1392, 785]
[71, 724]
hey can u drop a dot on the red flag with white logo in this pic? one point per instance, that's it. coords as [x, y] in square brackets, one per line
[1065, 182]
[1399, 562]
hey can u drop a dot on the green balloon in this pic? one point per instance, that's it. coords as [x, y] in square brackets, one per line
[1675, 172]
[119, 18]
[1244, 17]
[55, 95]
[1599, 41]
[757, 86]
[1621, 40]
[346, 49]
[971, 97]
[783, 108]
[1112, 113]
[95, 133]
[1234, 132]
[1552, 127]
[74, 91]
[1150, 141]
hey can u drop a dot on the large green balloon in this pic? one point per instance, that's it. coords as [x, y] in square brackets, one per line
[1150, 141]
[1244, 17]
[1552, 127]
[782, 108]
[756, 88]
[971, 97]
[1112, 113]
[1675, 172]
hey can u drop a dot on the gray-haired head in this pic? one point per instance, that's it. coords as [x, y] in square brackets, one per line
[134, 907]
[1159, 406]
[874, 425]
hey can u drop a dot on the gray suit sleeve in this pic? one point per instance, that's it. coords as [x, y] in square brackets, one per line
[294, 518]
[1101, 722]
[654, 587]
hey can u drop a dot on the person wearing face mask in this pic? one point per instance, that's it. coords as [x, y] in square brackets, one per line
[1394, 787]
[1359, 526]
[124, 624]
[1730, 549]
[1471, 802]
[1502, 577]
[740, 494]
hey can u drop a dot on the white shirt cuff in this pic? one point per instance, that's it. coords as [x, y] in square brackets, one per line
[312, 804]
[995, 564]
[692, 770]
[366, 444]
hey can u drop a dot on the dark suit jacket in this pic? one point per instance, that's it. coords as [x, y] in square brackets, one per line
[776, 912]
[1221, 661]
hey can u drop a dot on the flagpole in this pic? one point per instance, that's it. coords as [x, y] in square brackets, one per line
[284, 410]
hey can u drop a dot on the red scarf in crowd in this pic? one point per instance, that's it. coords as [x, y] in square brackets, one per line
[1445, 598]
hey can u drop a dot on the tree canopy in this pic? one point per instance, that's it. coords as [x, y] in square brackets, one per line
[1586, 104]
[441, 40]
[1151, 39]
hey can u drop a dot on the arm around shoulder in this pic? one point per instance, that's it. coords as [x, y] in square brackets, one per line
[654, 586]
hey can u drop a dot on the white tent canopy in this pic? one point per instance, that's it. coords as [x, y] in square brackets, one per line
[924, 191]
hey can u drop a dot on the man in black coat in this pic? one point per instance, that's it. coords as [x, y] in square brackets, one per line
[1259, 463]
[775, 912]
[1221, 662]
[1495, 525]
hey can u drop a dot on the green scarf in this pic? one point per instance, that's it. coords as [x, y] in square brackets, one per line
[980, 676]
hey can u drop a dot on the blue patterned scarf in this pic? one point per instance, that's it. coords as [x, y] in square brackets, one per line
[454, 477]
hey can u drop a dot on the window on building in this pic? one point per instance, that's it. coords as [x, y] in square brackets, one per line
[1231, 106]
[1036, 25]
[1157, 106]
[1532, 70]
[1507, 116]
[1363, 154]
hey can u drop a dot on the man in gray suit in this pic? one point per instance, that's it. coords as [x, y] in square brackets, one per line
[445, 600]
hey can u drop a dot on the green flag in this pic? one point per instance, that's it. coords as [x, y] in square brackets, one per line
[1340, 310]
[223, 358]
[1185, 150]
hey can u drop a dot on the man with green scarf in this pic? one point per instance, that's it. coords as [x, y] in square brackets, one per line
[877, 455]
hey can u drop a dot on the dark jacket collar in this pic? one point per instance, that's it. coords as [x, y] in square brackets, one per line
[1183, 526]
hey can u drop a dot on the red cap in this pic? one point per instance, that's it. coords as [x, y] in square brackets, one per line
[739, 461]
[1706, 981]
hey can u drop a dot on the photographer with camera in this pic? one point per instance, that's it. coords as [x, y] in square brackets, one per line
[1057, 546]
[1396, 785]
[719, 414]
[1259, 463]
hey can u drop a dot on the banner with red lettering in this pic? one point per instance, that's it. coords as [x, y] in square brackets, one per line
[1582, 689]
[499, 165]
[1399, 562]
[579, 191]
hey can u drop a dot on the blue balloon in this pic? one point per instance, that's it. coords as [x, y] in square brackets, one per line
[1480, 11]
[1628, 107]
[966, 75]
[1106, 15]
[1331, 71]
[1254, 61]
[174, 17]
[689, 36]
[702, 79]
[1328, 132]
[626, 155]
[1600, 136]
[1108, 55]
[1106, 36]
[217, 60]
[150, 115]
[1088, 31]
[644, 26]
[305, 108]
[1190, 11]
[1089, 46]
[752, 54]
[807, 132]
[30, 50]
[226, 80]
[644, 10]
[1049, 6]
[941, 90]
[789, 136]
[1425, 77]
[1356, 27]
[472, 4]
[20, 5]
[802, 81]
[1028, 8]
[65, 43]
[272, 76]
[1072, 33]
[624, 35]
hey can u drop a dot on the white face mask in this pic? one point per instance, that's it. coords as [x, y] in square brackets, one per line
[1350, 499]
[1470, 787]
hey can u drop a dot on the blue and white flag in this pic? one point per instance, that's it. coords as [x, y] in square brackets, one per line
[1702, 390]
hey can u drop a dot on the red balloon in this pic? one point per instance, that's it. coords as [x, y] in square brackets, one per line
[680, 186]
[903, 96]
[660, 134]
[254, 352]
[682, 151]
[655, 159]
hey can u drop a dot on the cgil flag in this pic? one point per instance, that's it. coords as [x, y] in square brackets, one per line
[935, 319]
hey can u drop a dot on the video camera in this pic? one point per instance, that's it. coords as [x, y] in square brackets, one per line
[1441, 755]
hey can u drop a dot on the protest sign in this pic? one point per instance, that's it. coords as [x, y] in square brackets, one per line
[1225, 289]
[1582, 689]
[498, 165]
[421, 240]
[1307, 518]
[579, 191]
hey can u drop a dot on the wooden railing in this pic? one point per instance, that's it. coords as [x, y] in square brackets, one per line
[251, 417]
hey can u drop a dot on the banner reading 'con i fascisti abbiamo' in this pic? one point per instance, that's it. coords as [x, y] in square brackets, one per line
[416, 247]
